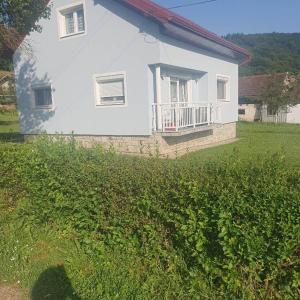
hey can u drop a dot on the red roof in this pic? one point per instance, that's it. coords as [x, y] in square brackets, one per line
[253, 86]
[163, 16]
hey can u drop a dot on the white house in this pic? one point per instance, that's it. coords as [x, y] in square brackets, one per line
[128, 74]
[251, 89]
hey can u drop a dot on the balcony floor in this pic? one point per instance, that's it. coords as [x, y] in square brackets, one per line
[186, 131]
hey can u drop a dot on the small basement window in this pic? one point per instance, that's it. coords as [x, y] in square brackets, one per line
[223, 88]
[43, 97]
[72, 20]
[111, 89]
[242, 111]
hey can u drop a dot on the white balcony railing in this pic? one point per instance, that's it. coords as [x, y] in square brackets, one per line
[173, 117]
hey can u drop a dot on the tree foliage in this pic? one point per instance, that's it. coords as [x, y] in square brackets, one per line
[18, 18]
[272, 52]
[281, 91]
[23, 15]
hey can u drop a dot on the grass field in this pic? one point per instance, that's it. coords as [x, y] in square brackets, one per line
[258, 139]
[9, 127]
[45, 263]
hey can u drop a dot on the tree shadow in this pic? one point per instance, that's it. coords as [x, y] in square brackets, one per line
[54, 284]
[31, 119]
[12, 137]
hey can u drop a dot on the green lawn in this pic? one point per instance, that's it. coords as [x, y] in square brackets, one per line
[9, 127]
[258, 139]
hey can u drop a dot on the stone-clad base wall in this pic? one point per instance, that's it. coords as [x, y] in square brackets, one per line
[164, 146]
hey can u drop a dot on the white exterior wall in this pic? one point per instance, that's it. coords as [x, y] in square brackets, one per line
[174, 52]
[293, 115]
[116, 39]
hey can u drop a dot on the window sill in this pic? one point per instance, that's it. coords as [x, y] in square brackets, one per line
[223, 100]
[44, 108]
[72, 35]
[111, 105]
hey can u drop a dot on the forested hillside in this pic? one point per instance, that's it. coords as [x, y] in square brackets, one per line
[272, 52]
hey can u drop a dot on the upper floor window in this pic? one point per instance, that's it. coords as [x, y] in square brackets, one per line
[223, 88]
[72, 20]
[111, 89]
[43, 96]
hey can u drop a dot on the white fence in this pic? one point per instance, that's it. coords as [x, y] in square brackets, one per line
[176, 116]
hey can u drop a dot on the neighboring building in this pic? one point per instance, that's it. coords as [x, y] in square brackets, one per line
[128, 74]
[250, 90]
[249, 111]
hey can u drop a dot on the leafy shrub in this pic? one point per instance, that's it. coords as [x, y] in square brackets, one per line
[234, 223]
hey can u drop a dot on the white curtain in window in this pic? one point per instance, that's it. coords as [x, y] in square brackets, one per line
[69, 23]
[183, 91]
[221, 89]
[174, 91]
[80, 19]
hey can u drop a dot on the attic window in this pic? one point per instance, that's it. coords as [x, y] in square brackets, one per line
[72, 20]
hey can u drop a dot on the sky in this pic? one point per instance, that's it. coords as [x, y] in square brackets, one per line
[243, 16]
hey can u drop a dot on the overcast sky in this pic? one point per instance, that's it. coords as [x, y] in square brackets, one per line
[247, 16]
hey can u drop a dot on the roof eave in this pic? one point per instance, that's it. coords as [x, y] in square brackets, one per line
[163, 16]
[201, 42]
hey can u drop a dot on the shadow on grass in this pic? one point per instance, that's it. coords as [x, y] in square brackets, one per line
[54, 284]
[8, 123]
[12, 137]
[280, 131]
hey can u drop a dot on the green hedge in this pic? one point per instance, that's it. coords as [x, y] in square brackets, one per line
[234, 223]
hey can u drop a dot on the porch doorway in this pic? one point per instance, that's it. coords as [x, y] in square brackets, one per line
[179, 90]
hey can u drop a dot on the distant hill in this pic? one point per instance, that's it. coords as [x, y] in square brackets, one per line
[272, 52]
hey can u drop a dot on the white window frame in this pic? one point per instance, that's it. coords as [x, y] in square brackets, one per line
[188, 88]
[41, 86]
[116, 75]
[226, 79]
[62, 11]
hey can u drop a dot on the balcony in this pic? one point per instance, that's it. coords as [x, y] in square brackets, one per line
[179, 117]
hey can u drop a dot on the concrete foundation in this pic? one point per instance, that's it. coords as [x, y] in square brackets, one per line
[170, 145]
[164, 145]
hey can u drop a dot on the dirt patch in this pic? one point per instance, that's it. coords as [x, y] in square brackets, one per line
[11, 293]
[8, 107]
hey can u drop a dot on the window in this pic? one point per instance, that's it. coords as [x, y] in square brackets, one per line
[179, 90]
[43, 97]
[223, 88]
[242, 111]
[110, 89]
[72, 20]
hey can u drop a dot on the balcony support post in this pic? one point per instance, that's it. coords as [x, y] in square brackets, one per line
[158, 97]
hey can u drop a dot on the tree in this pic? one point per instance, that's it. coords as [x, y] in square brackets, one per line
[281, 91]
[272, 52]
[17, 19]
